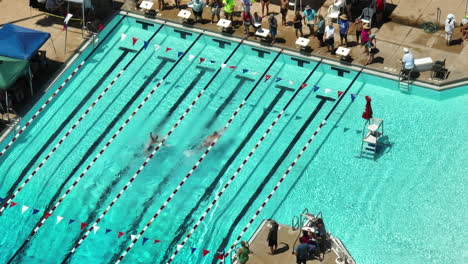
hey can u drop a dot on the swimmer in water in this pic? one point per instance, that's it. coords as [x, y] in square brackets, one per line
[212, 138]
[153, 141]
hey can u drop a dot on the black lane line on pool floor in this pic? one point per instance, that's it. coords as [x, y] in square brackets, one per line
[64, 123]
[270, 174]
[14, 190]
[209, 190]
[147, 204]
[203, 71]
[240, 83]
[85, 59]
[98, 140]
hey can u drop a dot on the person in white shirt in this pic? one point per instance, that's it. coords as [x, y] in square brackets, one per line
[449, 28]
[407, 61]
[330, 36]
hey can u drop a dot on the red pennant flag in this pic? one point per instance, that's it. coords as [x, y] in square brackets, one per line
[100, 27]
[120, 234]
[83, 225]
[267, 77]
[156, 241]
[202, 60]
[168, 49]
[46, 215]
[303, 85]
[134, 40]
[232, 67]
[13, 204]
[340, 93]
[205, 252]
[220, 256]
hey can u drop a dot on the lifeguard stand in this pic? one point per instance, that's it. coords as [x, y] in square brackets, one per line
[370, 139]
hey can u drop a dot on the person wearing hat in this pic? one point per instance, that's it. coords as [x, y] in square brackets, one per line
[407, 62]
[344, 27]
[273, 236]
[449, 28]
[372, 47]
[365, 36]
[309, 18]
[330, 36]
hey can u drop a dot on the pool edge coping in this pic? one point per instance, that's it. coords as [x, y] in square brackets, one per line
[442, 87]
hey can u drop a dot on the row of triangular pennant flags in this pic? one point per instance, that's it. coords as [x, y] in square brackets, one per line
[119, 234]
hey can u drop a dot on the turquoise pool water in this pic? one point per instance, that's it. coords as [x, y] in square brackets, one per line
[407, 206]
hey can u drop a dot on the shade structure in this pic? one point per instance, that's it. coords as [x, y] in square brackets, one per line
[10, 70]
[368, 111]
[19, 42]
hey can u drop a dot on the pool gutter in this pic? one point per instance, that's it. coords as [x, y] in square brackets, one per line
[292, 52]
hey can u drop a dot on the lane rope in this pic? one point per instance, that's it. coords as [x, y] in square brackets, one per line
[36, 170]
[197, 164]
[215, 200]
[150, 156]
[46, 215]
[55, 93]
[304, 148]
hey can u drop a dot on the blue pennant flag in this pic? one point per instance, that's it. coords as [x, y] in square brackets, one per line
[193, 250]
[108, 230]
[71, 221]
[245, 70]
[278, 79]
[144, 240]
[353, 96]
[180, 53]
[212, 61]
[35, 211]
[316, 88]
[145, 44]
[1, 199]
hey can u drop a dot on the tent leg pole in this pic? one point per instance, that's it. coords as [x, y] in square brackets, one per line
[7, 107]
[30, 80]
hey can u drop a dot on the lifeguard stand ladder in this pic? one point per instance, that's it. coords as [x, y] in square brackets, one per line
[371, 136]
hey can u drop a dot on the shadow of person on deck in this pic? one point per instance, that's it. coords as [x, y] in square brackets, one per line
[284, 248]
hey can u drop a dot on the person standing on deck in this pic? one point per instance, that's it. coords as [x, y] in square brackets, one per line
[273, 237]
[284, 11]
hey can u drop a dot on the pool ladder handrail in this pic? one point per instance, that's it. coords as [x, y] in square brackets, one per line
[301, 220]
[92, 33]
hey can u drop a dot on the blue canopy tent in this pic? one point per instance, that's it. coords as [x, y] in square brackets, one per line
[17, 46]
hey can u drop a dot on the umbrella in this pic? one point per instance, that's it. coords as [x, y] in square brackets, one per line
[368, 112]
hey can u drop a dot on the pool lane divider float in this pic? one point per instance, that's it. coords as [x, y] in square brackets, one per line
[288, 170]
[5, 205]
[231, 179]
[56, 92]
[205, 153]
[46, 215]
[94, 225]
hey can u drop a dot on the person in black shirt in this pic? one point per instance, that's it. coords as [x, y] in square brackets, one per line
[273, 236]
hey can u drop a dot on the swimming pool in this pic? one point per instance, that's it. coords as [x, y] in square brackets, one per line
[384, 206]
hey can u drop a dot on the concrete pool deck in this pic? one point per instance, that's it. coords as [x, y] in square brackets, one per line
[403, 28]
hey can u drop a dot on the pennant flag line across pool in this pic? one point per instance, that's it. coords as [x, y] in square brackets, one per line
[119, 234]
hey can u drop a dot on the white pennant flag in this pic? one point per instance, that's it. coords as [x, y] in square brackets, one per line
[96, 228]
[190, 57]
[122, 36]
[67, 18]
[24, 209]
[59, 218]
[179, 247]
[133, 237]
[327, 90]
[255, 73]
[291, 82]
[223, 65]
[156, 47]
